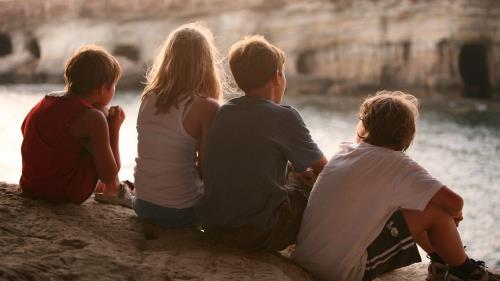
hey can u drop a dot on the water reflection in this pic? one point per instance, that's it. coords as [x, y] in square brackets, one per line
[457, 142]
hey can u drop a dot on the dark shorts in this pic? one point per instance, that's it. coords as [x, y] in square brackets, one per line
[282, 233]
[392, 249]
[163, 216]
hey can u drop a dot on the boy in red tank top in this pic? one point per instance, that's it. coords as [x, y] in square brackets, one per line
[70, 138]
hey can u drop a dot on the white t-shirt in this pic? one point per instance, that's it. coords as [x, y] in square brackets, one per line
[357, 192]
[165, 172]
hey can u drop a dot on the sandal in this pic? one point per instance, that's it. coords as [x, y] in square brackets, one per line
[122, 198]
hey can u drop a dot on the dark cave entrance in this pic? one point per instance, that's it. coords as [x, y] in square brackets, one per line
[474, 70]
[131, 52]
[5, 44]
[306, 62]
[33, 47]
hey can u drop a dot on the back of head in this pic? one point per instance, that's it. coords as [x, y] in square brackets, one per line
[90, 67]
[185, 66]
[388, 119]
[254, 61]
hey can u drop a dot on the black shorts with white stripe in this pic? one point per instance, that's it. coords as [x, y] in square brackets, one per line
[393, 248]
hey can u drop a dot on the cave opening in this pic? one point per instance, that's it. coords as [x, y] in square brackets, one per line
[129, 51]
[474, 70]
[33, 47]
[306, 62]
[5, 44]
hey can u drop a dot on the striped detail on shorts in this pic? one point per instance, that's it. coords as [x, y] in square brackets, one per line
[385, 256]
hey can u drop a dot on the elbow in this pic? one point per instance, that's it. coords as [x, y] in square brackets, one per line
[458, 202]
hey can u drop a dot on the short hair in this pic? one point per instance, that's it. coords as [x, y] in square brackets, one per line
[389, 119]
[90, 67]
[254, 61]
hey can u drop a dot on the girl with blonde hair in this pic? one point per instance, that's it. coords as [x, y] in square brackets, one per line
[178, 105]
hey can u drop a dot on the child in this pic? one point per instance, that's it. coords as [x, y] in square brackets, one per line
[178, 105]
[372, 203]
[253, 138]
[57, 166]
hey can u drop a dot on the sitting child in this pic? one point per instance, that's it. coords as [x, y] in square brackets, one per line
[69, 140]
[372, 203]
[178, 105]
[246, 202]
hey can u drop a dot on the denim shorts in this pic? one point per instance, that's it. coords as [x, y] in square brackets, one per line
[163, 216]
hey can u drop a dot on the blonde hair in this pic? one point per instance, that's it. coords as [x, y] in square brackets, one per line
[389, 119]
[186, 66]
[90, 67]
[254, 61]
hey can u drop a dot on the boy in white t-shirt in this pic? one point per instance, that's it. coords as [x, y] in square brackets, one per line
[372, 203]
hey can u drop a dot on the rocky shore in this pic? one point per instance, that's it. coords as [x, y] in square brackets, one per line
[44, 241]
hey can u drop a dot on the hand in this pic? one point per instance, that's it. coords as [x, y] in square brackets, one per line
[308, 177]
[116, 117]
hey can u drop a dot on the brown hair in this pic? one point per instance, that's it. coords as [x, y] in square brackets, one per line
[254, 61]
[388, 119]
[90, 67]
[185, 66]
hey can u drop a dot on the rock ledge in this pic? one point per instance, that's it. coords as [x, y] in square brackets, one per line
[43, 241]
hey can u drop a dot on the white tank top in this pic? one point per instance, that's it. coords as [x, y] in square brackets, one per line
[165, 172]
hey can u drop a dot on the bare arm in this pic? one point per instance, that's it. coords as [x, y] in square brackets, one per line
[115, 119]
[309, 176]
[449, 201]
[103, 140]
[197, 123]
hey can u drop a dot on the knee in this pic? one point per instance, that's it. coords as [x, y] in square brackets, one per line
[438, 216]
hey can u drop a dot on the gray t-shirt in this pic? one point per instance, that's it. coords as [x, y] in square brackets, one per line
[247, 151]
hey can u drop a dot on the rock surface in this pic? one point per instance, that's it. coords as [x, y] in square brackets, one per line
[44, 241]
[346, 44]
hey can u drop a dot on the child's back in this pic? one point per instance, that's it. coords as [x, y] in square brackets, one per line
[55, 164]
[70, 141]
[178, 105]
[372, 203]
[359, 190]
[166, 173]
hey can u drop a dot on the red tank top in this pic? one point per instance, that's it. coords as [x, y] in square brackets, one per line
[56, 166]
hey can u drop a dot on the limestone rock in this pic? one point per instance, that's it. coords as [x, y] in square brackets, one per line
[430, 44]
[44, 241]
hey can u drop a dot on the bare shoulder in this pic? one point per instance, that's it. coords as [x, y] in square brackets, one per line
[204, 103]
[90, 122]
[93, 115]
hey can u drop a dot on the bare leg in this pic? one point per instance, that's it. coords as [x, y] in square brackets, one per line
[99, 188]
[108, 189]
[424, 242]
[441, 231]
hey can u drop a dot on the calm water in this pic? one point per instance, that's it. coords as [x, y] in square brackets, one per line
[457, 142]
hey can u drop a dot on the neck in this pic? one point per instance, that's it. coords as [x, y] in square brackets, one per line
[266, 93]
[90, 98]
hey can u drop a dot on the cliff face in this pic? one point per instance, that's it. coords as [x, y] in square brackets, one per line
[332, 45]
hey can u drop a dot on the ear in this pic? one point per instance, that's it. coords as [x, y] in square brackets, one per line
[276, 78]
[105, 88]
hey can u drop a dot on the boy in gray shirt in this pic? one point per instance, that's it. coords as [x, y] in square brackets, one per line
[251, 144]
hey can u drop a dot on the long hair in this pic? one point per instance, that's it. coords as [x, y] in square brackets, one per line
[185, 66]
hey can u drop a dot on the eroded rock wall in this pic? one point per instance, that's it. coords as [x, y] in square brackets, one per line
[331, 46]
